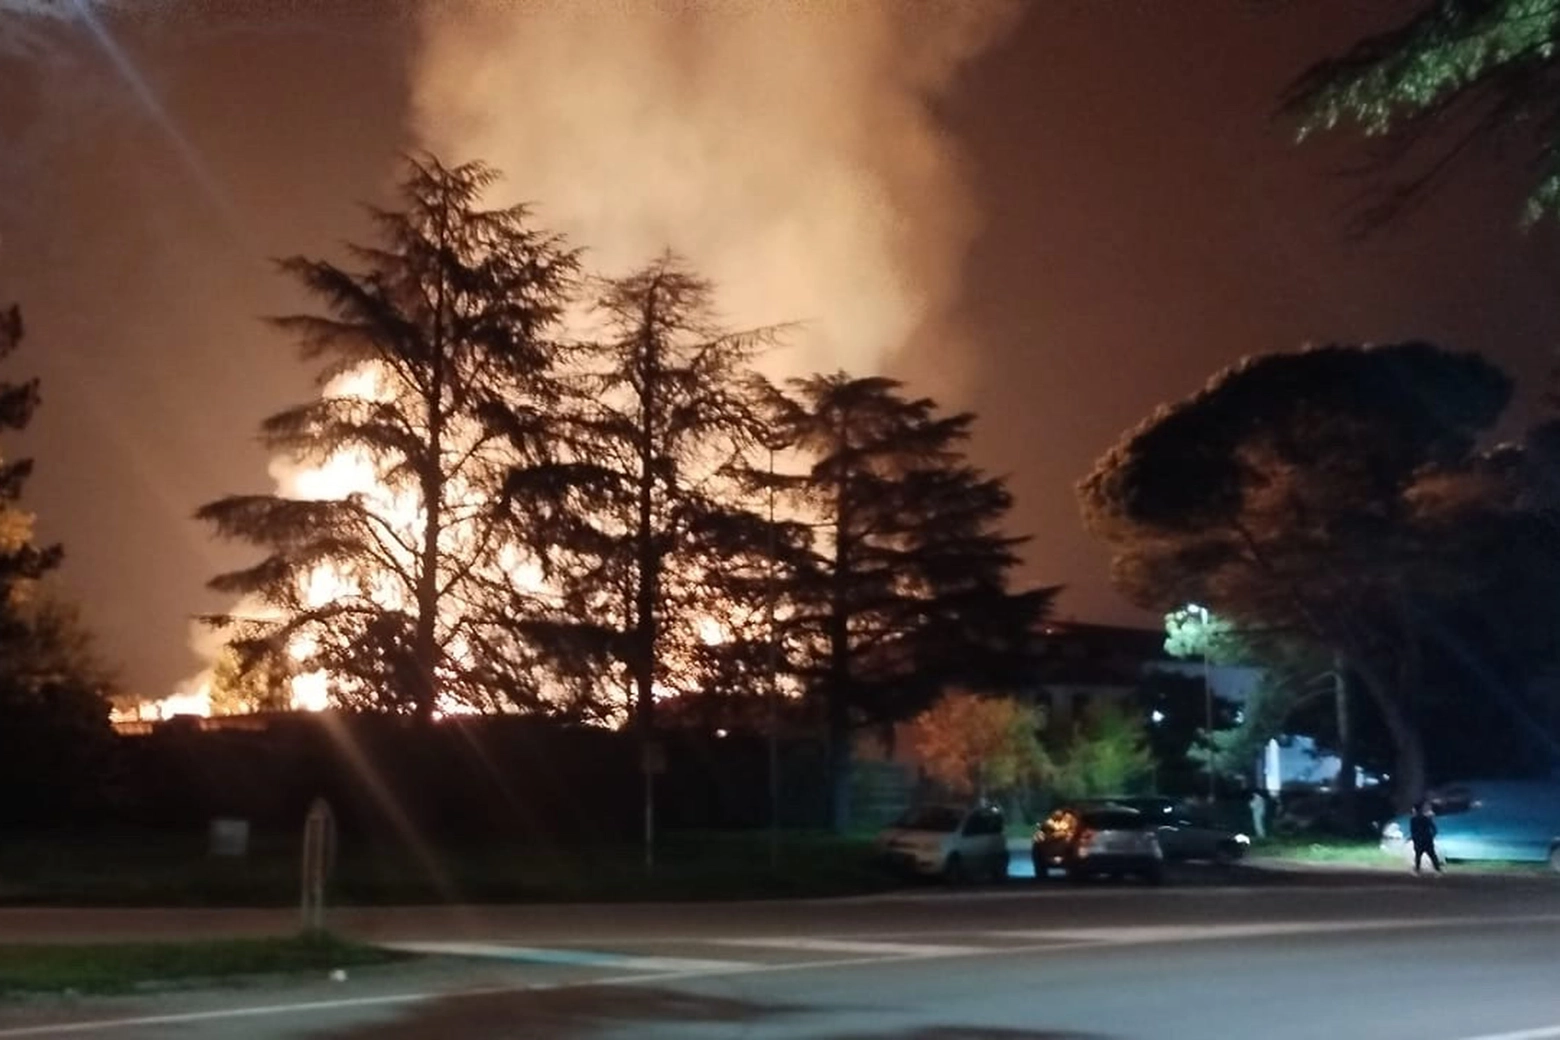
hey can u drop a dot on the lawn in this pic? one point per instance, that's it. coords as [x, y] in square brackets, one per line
[1323, 850]
[1364, 853]
[122, 967]
[160, 869]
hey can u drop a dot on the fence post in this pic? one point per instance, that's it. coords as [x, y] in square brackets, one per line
[319, 854]
[652, 763]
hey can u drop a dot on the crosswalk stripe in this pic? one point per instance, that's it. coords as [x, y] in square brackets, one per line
[1541, 1033]
[566, 957]
[892, 949]
[1191, 932]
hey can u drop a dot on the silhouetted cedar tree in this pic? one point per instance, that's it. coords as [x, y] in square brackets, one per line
[904, 589]
[451, 314]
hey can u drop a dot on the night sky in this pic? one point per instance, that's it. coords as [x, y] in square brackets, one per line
[1146, 222]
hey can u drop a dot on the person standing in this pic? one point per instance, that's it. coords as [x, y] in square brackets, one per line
[1422, 831]
[1258, 814]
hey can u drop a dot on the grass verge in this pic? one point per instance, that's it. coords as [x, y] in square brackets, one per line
[123, 967]
[1362, 853]
[1323, 850]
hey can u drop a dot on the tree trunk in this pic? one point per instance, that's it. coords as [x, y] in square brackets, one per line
[1409, 774]
[645, 639]
[1347, 802]
[839, 767]
[647, 560]
[839, 728]
[839, 658]
[425, 635]
[1409, 751]
[647, 573]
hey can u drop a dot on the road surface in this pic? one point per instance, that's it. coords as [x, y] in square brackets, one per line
[1454, 958]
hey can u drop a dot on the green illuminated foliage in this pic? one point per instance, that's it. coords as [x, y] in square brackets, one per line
[1460, 72]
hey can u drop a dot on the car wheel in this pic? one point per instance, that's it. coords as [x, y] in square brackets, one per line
[1154, 876]
[1226, 854]
[1077, 875]
[999, 869]
[1042, 872]
[954, 872]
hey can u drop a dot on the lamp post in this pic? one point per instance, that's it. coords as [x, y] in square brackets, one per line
[1156, 717]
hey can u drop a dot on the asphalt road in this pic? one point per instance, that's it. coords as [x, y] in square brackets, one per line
[1456, 958]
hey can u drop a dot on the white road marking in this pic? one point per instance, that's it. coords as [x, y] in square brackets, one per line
[103, 1025]
[106, 1024]
[563, 955]
[1075, 892]
[818, 945]
[1054, 941]
[1138, 934]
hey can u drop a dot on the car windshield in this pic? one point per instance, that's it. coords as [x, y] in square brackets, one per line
[940, 818]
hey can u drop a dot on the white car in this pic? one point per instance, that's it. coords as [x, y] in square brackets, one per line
[950, 842]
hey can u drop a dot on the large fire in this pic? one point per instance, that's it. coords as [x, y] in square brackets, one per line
[718, 105]
[346, 473]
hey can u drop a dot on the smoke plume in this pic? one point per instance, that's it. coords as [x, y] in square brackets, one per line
[789, 150]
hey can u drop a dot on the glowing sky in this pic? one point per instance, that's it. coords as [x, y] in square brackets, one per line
[1060, 220]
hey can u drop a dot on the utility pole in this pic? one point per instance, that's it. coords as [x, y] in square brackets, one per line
[1208, 723]
[1345, 721]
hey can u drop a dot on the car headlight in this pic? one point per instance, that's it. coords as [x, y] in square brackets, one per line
[1243, 839]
